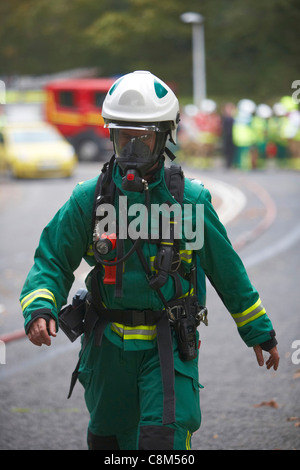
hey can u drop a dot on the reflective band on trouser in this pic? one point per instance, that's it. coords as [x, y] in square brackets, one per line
[145, 332]
[188, 440]
[256, 311]
[39, 293]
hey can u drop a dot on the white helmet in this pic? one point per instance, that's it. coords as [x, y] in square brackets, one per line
[264, 111]
[208, 106]
[279, 109]
[191, 110]
[247, 106]
[142, 98]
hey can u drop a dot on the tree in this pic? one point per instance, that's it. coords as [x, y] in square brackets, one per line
[251, 46]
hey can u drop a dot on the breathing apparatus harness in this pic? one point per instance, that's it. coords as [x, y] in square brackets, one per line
[167, 261]
[182, 314]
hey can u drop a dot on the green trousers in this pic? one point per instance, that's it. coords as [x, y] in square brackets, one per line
[124, 396]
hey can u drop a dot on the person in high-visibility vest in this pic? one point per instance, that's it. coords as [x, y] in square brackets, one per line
[145, 295]
[291, 130]
[278, 141]
[261, 129]
[243, 134]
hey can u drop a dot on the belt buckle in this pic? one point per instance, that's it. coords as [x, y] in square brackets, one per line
[202, 316]
[139, 318]
[175, 312]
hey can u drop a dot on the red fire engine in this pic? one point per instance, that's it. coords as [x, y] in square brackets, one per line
[74, 107]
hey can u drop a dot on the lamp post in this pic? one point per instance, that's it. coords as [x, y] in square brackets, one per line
[199, 76]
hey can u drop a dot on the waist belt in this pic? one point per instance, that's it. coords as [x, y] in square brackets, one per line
[127, 317]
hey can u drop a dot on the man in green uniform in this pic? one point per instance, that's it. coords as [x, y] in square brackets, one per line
[145, 298]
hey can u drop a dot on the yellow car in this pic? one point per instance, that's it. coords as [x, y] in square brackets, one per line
[35, 150]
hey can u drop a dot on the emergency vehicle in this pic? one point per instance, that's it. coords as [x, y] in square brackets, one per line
[74, 107]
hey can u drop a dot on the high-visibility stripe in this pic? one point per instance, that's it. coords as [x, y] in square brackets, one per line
[253, 312]
[144, 332]
[186, 255]
[189, 292]
[39, 293]
[90, 251]
[152, 259]
[188, 440]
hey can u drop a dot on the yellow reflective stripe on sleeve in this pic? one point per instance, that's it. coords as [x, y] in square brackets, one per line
[144, 332]
[253, 312]
[42, 293]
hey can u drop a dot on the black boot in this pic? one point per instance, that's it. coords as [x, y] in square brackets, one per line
[102, 442]
[156, 438]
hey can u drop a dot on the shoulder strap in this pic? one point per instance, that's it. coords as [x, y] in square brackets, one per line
[174, 178]
[104, 188]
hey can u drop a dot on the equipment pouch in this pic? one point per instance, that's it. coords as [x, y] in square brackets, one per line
[185, 317]
[71, 318]
[185, 329]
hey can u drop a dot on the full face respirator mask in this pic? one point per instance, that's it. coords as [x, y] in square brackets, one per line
[137, 149]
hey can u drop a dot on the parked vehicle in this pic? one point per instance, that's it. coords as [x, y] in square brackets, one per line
[74, 107]
[35, 150]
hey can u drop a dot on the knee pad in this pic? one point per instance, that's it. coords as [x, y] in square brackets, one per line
[102, 442]
[156, 438]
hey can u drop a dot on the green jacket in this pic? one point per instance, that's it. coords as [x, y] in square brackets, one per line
[67, 239]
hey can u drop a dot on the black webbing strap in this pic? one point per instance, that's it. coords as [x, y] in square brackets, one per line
[170, 154]
[165, 351]
[90, 321]
[120, 254]
[174, 179]
[149, 272]
[119, 268]
[104, 191]
[178, 286]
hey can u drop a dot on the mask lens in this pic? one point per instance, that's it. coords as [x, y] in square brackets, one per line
[123, 137]
[138, 146]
